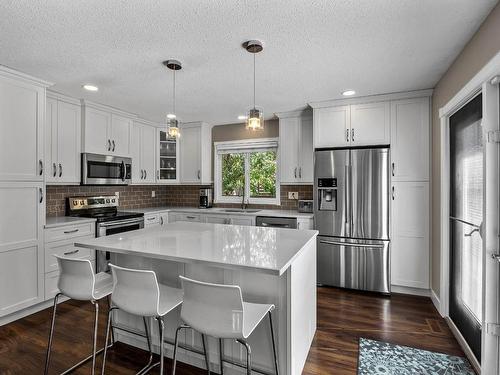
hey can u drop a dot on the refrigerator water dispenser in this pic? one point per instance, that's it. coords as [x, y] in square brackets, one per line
[327, 194]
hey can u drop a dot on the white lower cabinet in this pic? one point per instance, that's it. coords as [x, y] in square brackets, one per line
[164, 218]
[242, 220]
[410, 260]
[217, 219]
[305, 223]
[151, 220]
[180, 216]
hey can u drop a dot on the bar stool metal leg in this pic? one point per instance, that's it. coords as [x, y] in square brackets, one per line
[249, 355]
[276, 366]
[148, 367]
[221, 355]
[176, 345]
[108, 326]
[94, 346]
[51, 334]
[112, 330]
[161, 326]
[207, 362]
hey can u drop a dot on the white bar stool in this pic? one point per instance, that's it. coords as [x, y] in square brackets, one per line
[78, 281]
[138, 292]
[219, 311]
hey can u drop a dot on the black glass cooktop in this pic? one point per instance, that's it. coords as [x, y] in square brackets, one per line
[112, 216]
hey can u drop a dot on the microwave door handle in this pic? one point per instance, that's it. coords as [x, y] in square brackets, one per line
[124, 171]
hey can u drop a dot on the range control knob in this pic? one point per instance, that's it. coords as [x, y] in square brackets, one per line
[113, 200]
[75, 203]
[107, 200]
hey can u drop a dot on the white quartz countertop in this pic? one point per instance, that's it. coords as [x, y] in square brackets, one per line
[220, 211]
[60, 221]
[266, 250]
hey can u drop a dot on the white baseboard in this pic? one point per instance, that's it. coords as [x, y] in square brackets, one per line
[28, 311]
[409, 290]
[436, 302]
[463, 344]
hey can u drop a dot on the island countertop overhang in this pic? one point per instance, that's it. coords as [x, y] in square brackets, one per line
[264, 250]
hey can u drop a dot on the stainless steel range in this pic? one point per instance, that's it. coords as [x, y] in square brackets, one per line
[109, 220]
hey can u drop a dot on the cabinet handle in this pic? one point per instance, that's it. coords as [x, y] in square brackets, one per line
[300, 172]
[71, 252]
[113, 141]
[41, 166]
[352, 134]
[158, 174]
[142, 174]
[150, 218]
[60, 170]
[190, 217]
[145, 174]
[295, 172]
[161, 220]
[41, 194]
[55, 169]
[199, 174]
[393, 193]
[71, 231]
[109, 145]
[392, 169]
[347, 135]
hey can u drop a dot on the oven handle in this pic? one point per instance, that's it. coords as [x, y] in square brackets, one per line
[122, 222]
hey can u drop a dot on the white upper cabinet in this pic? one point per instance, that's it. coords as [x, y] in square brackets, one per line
[296, 147]
[143, 152]
[332, 126]
[22, 118]
[62, 140]
[410, 129]
[195, 153]
[106, 130]
[370, 124]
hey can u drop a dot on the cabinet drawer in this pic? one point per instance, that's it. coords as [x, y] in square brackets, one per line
[186, 217]
[151, 219]
[69, 231]
[64, 248]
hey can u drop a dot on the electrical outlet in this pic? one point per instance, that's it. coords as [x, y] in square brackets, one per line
[293, 195]
[153, 194]
[117, 193]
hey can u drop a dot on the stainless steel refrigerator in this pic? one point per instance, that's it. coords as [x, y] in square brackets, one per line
[351, 204]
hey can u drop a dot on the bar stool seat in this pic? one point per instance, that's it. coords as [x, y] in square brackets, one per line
[253, 314]
[170, 298]
[103, 285]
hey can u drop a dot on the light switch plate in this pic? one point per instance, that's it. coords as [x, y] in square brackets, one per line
[153, 194]
[293, 195]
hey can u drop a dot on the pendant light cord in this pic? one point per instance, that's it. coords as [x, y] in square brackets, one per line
[254, 80]
[173, 96]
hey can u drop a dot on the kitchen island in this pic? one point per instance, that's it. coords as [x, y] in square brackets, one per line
[271, 265]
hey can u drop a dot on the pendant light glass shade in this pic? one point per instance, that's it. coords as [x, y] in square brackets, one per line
[173, 127]
[255, 119]
[172, 122]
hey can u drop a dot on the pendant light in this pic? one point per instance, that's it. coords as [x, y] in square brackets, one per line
[172, 122]
[255, 116]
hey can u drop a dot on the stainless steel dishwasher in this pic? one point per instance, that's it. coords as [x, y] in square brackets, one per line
[276, 222]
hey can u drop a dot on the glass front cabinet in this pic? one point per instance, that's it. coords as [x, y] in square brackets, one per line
[167, 158]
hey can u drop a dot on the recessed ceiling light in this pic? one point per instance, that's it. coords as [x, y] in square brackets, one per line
[242, 117]
[348, 92]
[90, 87]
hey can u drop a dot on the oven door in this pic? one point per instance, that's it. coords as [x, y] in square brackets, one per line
[114, 227]
[105, 170]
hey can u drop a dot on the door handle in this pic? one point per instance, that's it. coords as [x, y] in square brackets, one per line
[113, 141]
[352, 134]
[109, 145]
[41, 194]
[54, 166]
[41, 166]
[392, 169]
[60, 170]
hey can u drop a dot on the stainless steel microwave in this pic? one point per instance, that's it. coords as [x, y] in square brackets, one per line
[105, 170]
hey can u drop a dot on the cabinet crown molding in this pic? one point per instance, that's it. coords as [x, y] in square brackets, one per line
[11, 73]
[65, 98]
[372, 98]
[147, 122]
[102, 107]
[298, 113]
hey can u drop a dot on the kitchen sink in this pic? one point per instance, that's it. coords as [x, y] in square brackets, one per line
[249, 211]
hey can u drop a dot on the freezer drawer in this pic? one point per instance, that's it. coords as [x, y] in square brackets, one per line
[354, 264]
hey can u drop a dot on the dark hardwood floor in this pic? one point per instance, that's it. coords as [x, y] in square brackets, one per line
[343, 317]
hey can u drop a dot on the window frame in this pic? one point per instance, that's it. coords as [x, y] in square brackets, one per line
[245, 147]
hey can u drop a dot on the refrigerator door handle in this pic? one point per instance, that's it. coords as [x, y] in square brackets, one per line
[347, 202]
[350, 244]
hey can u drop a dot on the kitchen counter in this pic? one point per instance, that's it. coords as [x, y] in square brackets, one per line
[60, 221]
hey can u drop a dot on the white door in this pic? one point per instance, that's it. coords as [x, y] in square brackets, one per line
[120, 135]
[289, 142]
[22, 130]
[148, 142]
[190, 151]
[21, 245]
[331, 126]
[306, 151]
[135, 154]
[68, 142]
[410, 129]
[370, 124]
[410, 235]
[97, 129]
[51, 140]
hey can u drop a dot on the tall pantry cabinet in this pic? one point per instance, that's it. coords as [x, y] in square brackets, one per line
[22, 193]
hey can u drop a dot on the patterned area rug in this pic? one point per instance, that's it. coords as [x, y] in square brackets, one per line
[382, 358]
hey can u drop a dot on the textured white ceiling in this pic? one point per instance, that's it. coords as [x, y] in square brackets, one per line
[313, 49]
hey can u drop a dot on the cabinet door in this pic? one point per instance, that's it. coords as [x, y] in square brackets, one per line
[167, 155]
[120, 135]
[190, 151]
[97, 131]
[216, 219]
[151, 220]
[289, 143]
[21, 246]
[410, 235]
[51, 140]
[306, 150]
[331, 126]
[21, 131]
[242, 220]
[164, 218]
[148, 139]
[370, 124]
[410, 139]
[68, 142]
[135, 154]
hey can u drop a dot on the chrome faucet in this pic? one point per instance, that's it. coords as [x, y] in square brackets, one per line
[243, 204]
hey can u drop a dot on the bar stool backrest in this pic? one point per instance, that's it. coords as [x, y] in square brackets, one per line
[135, 291]
[76, 278]
[214, 309]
